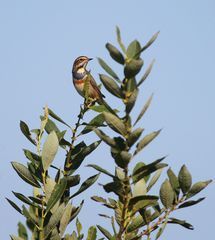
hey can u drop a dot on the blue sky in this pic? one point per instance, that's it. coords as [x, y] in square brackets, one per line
[41, 39]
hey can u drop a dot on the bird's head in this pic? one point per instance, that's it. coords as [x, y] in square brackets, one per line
[80, 62]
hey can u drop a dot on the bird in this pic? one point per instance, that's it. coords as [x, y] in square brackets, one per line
[86, 85]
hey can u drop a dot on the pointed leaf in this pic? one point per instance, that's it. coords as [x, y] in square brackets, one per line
[139, 188]
[14, 205]
[72, 180]
[110, 85]
[64, 222]
[56, 117]
[119, 40]
[95, 122]
[196, 188]
[54, 220]
[149, 43]
[136, 223]
[56, 194]
[185, 179]
[183, 223]
[22, 231]
[148, 70]
[105, 138]
[134, 136]
[104, 65]
[15, 238]
[115, 123]
[80, 156]
[173, 181]
[86, 184]
[49, 150]
[133, 50]
[143, 171]
[25, 174]
[146, 140]
[78, 227]
[144, 109]
[132, 100]
[115, 53]
[167, 194]
[190, 203]
[102, 170]
[154, 179]
[92, 233]
[104, 232]
[51, 126]
[23, 198]
[25, 130]
[30, 216]
[161, 229]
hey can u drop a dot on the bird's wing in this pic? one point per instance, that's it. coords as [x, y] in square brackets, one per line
[94, 85]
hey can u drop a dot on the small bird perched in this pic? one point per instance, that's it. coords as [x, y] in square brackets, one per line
[85, 84]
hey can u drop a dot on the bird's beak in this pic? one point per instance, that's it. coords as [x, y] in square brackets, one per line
[89, 59]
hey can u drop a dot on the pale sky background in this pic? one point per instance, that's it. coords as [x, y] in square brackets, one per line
[40, 40]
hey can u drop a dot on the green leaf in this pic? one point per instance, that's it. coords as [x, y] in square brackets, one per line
[86, 184]
[25, 130]
[78, 227]
[76, 211]
[185, 179]
[102, 170]
[95, 122]
[145, 107]
[99, 199]
[154, 179]
[132, 100]
[133, 50]
[173, 181]
[22, 231]
[72, 180]
[49, 150]
[56, 194]
[183, 223]
[196, 188]
[134, 136]
[32, 156]
[82, 154]
[167, 194]
[64, 222]
[15, 238]
[119, 173]
[149, 43]
[14, 205]
[190, 203]
[122, 158]
[51, 126]
[115, 187]
[110, 85]
[133, 67]
[30, 216]
[136, 223]
[53, 221]
[115, 53]
[120, 40]
[104, 232]
[139, 188]
[161, 229]
[143, 171]
[25, 174]
[146, 74]
[23, 198]
[104, 65]
[146, 140]
[115, 123]
[92, 233]
[56, 117]
[111, 142]
[140, 202]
